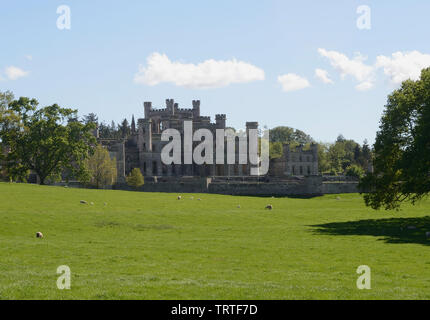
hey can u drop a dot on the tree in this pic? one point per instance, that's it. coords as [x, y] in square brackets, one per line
[43, 140]
[102, 168]
[354, 171]
[323, 161]
[135, 178]
[91, 118]
[124, 129]
[401, 161]
[289, 135]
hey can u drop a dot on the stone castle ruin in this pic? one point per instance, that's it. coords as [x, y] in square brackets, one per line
[296, 172]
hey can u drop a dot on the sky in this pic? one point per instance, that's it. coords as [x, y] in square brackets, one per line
[324, 67]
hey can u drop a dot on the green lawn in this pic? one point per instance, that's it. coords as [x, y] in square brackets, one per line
[153, 246]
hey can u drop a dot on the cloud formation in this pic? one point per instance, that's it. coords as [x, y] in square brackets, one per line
[14, 73]
[403, 65]
[323, 76]
[293, 82]
[355, 67]
[207, 74]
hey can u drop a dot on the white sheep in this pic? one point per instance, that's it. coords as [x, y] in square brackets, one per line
[39, 235]
[179, 197]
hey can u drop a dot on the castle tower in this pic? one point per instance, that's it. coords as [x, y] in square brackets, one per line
[220, 121]
[148, 107]
[170, 106]
[196, 108]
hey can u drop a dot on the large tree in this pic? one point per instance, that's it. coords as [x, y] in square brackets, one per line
[43, 140]
[401, 161]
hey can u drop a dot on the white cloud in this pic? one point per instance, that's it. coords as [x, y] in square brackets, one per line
[354, 67]
[207, 74]
[14, 73]
[363, 86]
[323, 75]
[29, 57]
[293, 82]
[403, 65]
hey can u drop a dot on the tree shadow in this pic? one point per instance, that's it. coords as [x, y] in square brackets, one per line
[393, 230]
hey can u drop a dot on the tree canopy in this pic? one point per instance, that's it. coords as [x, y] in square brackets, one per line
[43, 140]
[402, 148]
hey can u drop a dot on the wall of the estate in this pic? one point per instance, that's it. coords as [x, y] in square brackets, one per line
[339, 187]
[306, 186]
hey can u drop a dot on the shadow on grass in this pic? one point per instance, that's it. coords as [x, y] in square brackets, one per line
[393, 230]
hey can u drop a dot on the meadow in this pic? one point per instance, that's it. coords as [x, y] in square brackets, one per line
[134, 245]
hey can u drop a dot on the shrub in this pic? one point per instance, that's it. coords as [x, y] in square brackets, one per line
[135, 178]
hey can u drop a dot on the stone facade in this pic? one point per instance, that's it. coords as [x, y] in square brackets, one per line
[296, 162]
[142, 148]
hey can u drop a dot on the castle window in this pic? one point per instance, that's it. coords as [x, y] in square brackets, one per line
[301, 170]
[153, 147]
[309, 170]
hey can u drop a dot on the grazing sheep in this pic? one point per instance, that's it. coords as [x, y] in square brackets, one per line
[84, 202]
[192, 198]
[199, 199]
[269, 207]
[338, 198]
[92, 203]
[179, 197]
[39, 235]
[238, 206]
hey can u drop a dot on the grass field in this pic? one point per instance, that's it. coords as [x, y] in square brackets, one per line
[153, 246]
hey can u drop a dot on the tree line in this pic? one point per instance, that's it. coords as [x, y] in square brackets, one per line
[54, 144]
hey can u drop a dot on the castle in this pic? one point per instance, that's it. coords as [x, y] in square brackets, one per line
[142, 148]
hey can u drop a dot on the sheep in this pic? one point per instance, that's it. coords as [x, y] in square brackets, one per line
[199, 199]
[238, 206]
[269, 207]
[179, 197]
[92, 203]
[39, 235]
[83, 202]
[192, 198]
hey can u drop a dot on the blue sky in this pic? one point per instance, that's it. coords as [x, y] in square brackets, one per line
[94, 66]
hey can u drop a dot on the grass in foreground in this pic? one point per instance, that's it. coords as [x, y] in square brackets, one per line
[153, 246]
